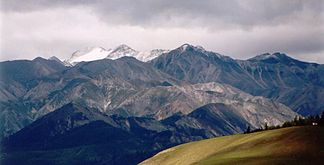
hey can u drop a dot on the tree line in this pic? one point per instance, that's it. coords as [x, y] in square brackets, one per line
[297, 121]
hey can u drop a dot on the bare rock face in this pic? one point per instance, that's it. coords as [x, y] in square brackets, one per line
[297, 84]
[31, 89]
[163, 102]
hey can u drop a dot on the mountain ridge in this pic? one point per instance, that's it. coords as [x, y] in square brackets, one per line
[276, 76]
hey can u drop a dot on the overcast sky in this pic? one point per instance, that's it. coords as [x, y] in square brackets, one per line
[240, 29]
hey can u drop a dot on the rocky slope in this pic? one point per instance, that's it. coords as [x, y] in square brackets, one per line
[76, 133]
[36, 87]
[17, 79]
[297, 84]
[164, 101]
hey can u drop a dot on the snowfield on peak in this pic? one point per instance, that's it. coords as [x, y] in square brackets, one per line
[147, 56]
[121, 51]
[97, 53]
[88, 54]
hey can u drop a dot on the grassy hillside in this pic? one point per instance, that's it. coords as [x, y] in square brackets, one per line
[294, 145]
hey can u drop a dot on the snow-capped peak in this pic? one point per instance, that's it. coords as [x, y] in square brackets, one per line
[263, 56]
[186, 47]
[150, 55]
[88, 54]
[97, 53]
[123, 47]
[122, 50]
[198, 47]
[266, 56]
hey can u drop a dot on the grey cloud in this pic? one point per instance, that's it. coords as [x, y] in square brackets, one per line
[233, 27]
[35, 5]
[156, 13]
[295, 41]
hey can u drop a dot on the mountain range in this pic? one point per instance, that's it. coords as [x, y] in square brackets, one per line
[145, 102]
[277, 76]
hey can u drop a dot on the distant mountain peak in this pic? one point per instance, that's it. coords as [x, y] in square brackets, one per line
[38, 58]
[277, 56]
[87, 54]
[54, 58]
[281, 55]
[123, 47]
[189, 48]
[186, 47]
[122, 50]
[86, 50]
[280, 58]
[200, 48]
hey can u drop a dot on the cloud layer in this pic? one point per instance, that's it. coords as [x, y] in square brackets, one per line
[240, 29]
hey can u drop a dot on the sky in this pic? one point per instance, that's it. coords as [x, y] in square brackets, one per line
[240, 29]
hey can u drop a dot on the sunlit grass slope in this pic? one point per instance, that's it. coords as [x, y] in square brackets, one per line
[294, 145]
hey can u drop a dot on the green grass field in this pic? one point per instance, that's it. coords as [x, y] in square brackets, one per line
[294, 145]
